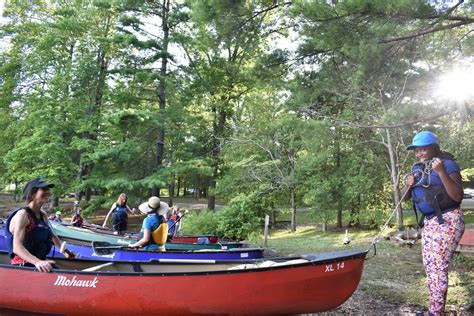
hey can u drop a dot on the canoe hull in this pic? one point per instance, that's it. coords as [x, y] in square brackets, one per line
[212, 239]
[296, 289]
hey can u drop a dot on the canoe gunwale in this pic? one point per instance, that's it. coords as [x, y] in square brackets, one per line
[354, 254]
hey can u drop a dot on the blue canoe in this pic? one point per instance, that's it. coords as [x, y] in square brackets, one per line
[105, 251]
[84, 236]
[121, 253]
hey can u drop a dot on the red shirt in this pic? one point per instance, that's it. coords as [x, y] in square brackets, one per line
[79, 219]
[29, 228]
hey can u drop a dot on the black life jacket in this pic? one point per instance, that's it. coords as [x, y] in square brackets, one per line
[430, 197]
[38, 242]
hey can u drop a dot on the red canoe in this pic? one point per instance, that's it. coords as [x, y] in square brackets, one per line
[466, 244]
[307, 284]
[208, 239]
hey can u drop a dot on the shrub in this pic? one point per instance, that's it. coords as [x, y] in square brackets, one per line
[204, 222]
[242, 217]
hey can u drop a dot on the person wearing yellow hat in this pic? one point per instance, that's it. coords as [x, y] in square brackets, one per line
[434, 186]
[154, 210]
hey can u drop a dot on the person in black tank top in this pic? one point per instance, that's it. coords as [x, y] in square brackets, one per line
[29, 236]
[119, 212]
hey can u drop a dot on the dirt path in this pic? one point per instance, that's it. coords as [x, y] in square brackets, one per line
[362, 303]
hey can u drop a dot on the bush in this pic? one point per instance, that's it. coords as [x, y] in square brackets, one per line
[203, 223]
[241, 217]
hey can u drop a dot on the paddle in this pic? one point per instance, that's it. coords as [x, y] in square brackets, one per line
[98, 267]
[103, 248]
[172, 225]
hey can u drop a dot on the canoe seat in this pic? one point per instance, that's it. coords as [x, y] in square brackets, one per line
[244, 266]
[266, 264]
[290, 262]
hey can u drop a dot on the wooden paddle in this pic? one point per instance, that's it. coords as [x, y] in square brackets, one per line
[98, 267]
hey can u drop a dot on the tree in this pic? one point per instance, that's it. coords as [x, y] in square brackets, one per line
[372, 69]
[226, 37]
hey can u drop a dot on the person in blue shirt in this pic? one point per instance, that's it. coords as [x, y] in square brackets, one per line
[154, 210]
[435, 188]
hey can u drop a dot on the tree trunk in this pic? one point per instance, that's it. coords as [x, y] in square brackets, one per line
[16, 193]
[218, 132]
[171, 191]
[211, 199]
[55, 201]
[178, 186]
[88, 194]
[162, 89]
[395, 179]
[197, 187]
[340, 186]
[293, 209]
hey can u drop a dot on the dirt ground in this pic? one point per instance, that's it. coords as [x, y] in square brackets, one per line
[361, 303]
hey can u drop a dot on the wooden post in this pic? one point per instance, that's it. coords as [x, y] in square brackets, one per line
[267, 221]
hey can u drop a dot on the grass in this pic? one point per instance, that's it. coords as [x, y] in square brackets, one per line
[395, 274]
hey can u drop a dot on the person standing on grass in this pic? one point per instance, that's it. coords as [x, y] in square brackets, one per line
[119, 215]
[434, 186]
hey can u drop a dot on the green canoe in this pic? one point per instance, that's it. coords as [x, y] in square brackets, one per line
[86, 236]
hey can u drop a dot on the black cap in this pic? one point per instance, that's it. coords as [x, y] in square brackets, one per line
[36, 183]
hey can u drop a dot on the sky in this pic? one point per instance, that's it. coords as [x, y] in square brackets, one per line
[3, 41]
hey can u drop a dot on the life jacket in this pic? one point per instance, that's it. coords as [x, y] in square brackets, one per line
[157, 232]
[79, 222]
[429, 195]
[120, 212]
[160, 235]
[38, 241]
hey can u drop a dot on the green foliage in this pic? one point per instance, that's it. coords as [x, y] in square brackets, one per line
[203, 222]
[94, 204]
[240, 218]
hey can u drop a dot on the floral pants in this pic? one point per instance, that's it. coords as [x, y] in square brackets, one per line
[438, 245]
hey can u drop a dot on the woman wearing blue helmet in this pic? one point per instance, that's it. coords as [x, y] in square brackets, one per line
[435, 188]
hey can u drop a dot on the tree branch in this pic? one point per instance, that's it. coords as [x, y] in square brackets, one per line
[424, 32]
[356, 125]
